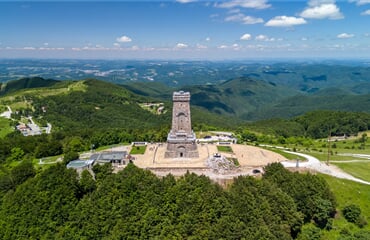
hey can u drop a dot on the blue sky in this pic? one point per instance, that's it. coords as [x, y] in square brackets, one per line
[185, 29]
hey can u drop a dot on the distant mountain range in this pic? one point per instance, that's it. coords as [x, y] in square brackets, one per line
[305, 76]
[241, 90]
[252, 99]
[93, 104]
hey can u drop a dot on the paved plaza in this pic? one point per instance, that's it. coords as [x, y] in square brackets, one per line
[249, 158]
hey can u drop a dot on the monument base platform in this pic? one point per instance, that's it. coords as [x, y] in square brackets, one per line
[185, 149]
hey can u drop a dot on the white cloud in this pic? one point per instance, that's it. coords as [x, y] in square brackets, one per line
[367, 12]
[264, 38]
[234, 18]
[285, 21]
[234, 11]
[185, 1]
[116, 44]
[361, 2]
[124, 39]
[257, 4]
[252, 20]
[200, 46]
[29, 48]
[208, 39]
[223, 47]
[46, 44]
[181, 45]
[243, 19]
[246, 36]
[321, 9]
[50, 49]
[313, 3]
[345, 35]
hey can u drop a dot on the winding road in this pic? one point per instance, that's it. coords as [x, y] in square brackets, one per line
[315, 164]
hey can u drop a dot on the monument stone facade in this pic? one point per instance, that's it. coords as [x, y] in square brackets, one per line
[181, 140]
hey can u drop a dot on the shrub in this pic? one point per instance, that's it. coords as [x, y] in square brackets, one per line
[351, 213]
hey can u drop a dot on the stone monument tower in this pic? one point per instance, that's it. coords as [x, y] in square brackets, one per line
[181, 139]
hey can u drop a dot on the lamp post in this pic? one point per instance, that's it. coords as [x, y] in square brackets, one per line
[327, 160]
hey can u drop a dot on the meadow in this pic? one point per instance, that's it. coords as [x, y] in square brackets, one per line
[5, 127]
[347, 192]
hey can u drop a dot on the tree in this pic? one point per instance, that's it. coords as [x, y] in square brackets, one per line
[352, 213]
[87, 182]
[310, 192]
[16, 155]
[102, 171]
[22, 172]
[247, 136]
[363, 140]
[310, 232]
[323, 213]
[41, 206]
[70, 156]
[73, 144]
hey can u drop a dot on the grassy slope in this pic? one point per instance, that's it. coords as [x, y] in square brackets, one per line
[5, 128]
[357, 169]
[26, 83]
[348, 192]
[298, 105]
[16, 100]
[98, 103]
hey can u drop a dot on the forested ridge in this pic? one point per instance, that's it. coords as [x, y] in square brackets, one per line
[315, 124]
[135, 204]
[55, 203]
[96, 113]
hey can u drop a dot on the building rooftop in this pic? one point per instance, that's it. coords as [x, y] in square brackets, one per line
[107, 156]
[79, 163]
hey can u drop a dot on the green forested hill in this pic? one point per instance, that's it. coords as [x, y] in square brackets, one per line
[153, 89]
[238, 96]
[300, 104]
[25, 83]
[94, 104]
[91, 113]
[234, 98]
[251, 99]
[135, 204]
[100, 105]
[315, 124]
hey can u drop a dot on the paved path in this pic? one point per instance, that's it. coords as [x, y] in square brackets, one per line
[315, 164]
[348, 161]
[7, 114]
[357, 155]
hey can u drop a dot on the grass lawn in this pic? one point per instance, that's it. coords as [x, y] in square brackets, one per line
[357, 169]
[5, 128]
[235, 161]
[287, 155]
[324, 156]
[226, 149]
[111, 146]
[138, 149]
[348, 192]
